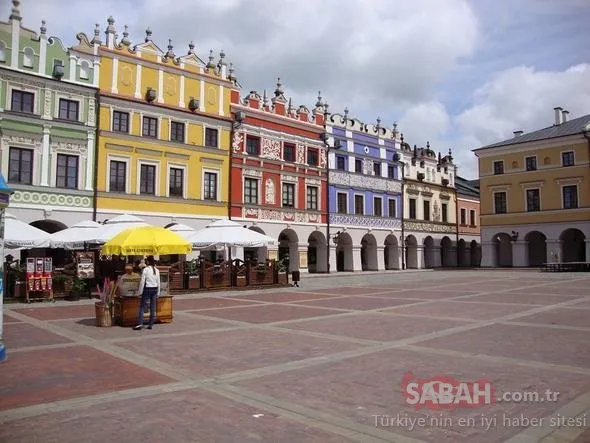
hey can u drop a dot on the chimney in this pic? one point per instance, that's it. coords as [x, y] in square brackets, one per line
[517, 133]
[564, 115]
[558, 115]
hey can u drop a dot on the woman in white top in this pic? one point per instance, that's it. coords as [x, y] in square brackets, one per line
[150, 287]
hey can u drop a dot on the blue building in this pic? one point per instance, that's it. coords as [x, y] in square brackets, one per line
[365, 202]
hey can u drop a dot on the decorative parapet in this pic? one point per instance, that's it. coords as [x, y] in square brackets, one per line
[365, 221]
[281, 215]
[429, 226]
[365, 182]
[51, 199]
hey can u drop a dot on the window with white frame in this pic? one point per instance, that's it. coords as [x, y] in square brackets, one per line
[444, 212]
[211, 137]
[533, 200]
[342, 202]
[377, 206]
[20, 166]
[359, 204]
[251, 191]
[69, 109]
[498, 167]
[463, 216]
[176, 182]
[570, 197]
[150, 127]
[289, 194]
[210, 179]
[500, 206]
[426, 209]
[312, 198]
[22, 101]
[118, 176]
[67, 171]
[567, 158]
[531, 163]
[412, 207]
[177, 131]
[120, 121]
[392, 208]
[147, 179]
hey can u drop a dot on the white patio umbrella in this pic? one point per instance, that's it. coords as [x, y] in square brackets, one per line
[75, 236]
[114, 226]
[184, 231]
[18, 234]
[229, 233]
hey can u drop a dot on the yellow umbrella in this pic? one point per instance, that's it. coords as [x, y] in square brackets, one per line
[147, 240]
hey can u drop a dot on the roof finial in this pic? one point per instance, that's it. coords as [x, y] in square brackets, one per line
[428, 145]
[125, 40]
[191, 48]
[96, 39]
[148, 35]
[290, 107]
[15, 13]
[211, 65]
[378, 123]
[222, 58]
[170, 53]
[43, 27]
[230, 74]
[279, 90]
[319, 102]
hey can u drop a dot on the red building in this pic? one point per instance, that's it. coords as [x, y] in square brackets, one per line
[278, 176]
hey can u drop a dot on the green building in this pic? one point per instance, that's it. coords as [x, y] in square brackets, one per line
[47, 125]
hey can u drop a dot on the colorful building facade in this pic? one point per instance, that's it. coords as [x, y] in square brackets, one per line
[278, 176]
[468, 225]
[430, 208]
[164, 130]
[535, 196]
[364, 195]
[48, 125]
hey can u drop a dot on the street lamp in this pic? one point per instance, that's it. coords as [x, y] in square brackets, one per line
[397, 160]
[5, 192]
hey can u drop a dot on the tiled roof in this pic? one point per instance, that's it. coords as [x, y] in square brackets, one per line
[572, 127]
[466, 188]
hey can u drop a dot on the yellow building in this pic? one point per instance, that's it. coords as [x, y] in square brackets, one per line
[535, 195]
[164, 131]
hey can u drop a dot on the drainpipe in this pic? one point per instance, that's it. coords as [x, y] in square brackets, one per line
[327, 145]
[96, 151]
[457, 210]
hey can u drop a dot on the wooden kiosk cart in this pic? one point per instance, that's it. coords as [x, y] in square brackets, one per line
[128, 298]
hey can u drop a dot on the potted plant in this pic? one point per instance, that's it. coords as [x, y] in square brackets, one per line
[104, 307]
[78, 288]
[192, 275]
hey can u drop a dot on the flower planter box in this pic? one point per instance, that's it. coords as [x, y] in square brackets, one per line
[241, 281]
[283, 279]
[126, 310]
[176, 281]
[193, 282]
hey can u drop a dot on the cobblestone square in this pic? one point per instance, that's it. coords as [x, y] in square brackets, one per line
[322, 363]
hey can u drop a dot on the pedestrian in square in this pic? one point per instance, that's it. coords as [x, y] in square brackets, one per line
[150, 287]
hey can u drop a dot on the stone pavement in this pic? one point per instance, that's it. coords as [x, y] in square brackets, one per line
[321, 363]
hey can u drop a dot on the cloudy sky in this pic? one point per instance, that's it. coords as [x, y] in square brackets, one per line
[457, 73]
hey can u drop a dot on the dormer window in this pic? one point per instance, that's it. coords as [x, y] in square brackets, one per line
[28, 55]
[84, 70]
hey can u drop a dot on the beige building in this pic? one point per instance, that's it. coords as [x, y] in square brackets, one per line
[535, 195]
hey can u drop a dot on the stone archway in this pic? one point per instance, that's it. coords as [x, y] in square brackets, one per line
[411, 252]
[344, 259]
[536, 248]
[391, 252]
[260, 253]
[573, 245]
[502, 250]
[475, 253]
[288, 247]
[446, 247]
[49, 226]
[429, 251]
[317, 261]
[369, 253]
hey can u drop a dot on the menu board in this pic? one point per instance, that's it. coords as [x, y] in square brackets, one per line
[85, 264]
[48, 265]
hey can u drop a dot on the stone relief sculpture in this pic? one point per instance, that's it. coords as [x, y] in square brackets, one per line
[436, 211]
[270, 191]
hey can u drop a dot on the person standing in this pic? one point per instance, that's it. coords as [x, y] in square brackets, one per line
[149, 284]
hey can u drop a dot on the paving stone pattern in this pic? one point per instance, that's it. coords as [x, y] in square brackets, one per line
[321, 363]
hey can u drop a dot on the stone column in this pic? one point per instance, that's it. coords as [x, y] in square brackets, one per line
[380, 258]
[588, 250]
[519, 253]
[554, 250]
[332, 263]
[420, 257]
[302, 256]
[45, 163]
[89, 180]
[436, 259]
[356, 258]
[488, 254]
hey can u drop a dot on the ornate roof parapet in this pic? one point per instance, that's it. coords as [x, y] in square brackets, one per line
[148, 35]
[125, 42]
[376, 129]
[170, 53]
[253, 100]
[96, 40]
